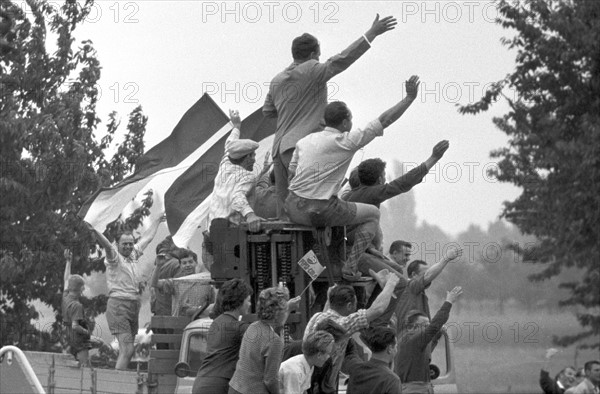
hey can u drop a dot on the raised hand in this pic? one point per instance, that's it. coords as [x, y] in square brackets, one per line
[234, 116]
[68, 255]
[453, 294]
[439, 149]
[454, 254]
[412, 87]
[380, 26]
[551, 352]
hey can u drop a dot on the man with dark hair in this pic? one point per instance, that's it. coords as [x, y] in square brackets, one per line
[191, 292]
[376, 376]
[341, 308]
[317, 169]
[374, 190]
[415, 345]
[400, 252]
[298, 95]
[125, 286]
[591, 383]
[420, 278]
[563, 380]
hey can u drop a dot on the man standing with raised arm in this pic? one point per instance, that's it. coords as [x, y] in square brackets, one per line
[298, 95]
[125, 286]
[415, 345]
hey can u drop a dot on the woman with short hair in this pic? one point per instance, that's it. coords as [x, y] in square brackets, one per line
[224, 338]
[257, 369]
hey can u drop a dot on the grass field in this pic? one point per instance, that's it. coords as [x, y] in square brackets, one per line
[504, 354]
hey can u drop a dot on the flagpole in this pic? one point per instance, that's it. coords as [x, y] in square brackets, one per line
[309, 283]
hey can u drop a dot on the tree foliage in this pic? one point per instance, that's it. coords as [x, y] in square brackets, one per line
[554, 142]
[51, 160]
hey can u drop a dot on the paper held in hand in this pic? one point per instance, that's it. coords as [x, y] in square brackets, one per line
[311, 265]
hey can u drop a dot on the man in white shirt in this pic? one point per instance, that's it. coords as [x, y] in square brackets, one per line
[235, 180]
[319, 165]
[125, 286]
[295, 373]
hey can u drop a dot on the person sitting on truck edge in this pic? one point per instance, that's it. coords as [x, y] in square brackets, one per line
[314, 184]
[376, 376]
[76, 327]
[257, 369]
[563, 380]
[295, 373]
[224, 338]
[298, 95]
[235, 180]
[188, 300]
[415, 345]
[125, 286]
[342, 310]
[373, 188]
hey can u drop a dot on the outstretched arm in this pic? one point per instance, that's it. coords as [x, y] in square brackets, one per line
[111, 253]
[436, 269]
[383, 299]
[149, 235]
[68, 258]
[441, 317]
[380, 26]
[438, 152]
[340, 62]
[236, 121]
[394, 113]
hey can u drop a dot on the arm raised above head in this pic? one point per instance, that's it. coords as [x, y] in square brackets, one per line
[395, 112]
[436, 269]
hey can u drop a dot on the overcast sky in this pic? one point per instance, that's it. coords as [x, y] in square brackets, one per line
[165, 54]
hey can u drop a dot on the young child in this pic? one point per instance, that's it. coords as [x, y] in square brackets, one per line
[76, 327]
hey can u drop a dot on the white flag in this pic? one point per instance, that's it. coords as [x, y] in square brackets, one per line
[311, 265]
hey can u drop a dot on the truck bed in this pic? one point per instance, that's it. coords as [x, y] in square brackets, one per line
[69, 378]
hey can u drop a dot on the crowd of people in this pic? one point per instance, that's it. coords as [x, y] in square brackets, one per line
[314, 144]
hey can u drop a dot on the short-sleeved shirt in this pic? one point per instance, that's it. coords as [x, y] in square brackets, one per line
[294, 375]
[351, 323]
[321, 159]
[123, 275]
[72, 309]
[223, 346]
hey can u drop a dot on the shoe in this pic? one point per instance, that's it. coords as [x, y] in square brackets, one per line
[351, 276]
